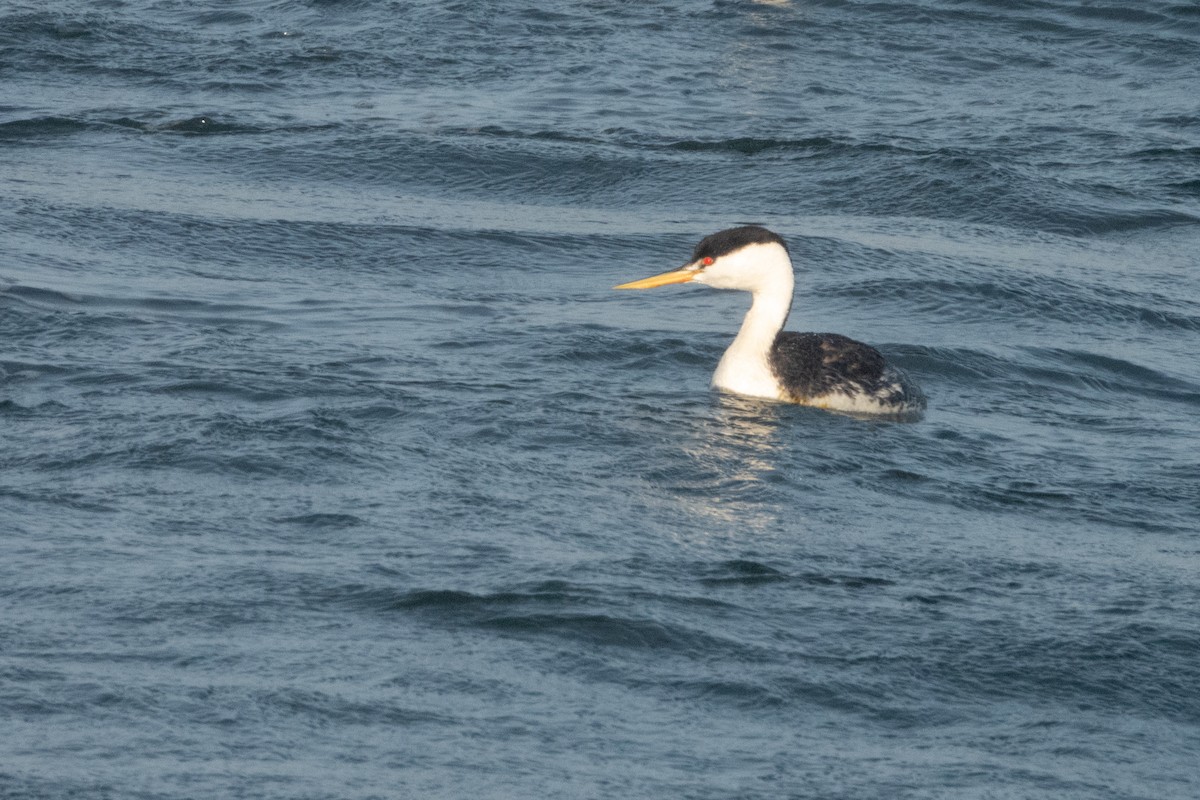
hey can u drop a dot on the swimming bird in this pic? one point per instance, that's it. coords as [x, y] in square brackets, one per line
[826, 370]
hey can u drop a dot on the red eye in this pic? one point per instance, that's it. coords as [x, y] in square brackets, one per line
[707, 261]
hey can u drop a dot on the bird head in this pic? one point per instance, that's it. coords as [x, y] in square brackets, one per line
[749, 258]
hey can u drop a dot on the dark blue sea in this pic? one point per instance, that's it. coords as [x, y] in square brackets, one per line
[331, 466]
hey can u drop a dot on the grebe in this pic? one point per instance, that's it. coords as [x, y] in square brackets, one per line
[826, 370]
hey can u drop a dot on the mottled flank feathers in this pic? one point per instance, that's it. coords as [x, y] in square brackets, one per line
[834, 371]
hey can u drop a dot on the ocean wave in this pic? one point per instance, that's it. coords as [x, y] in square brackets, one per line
[1078, 373]
[38, 128]
[556, 610]
[1023, 296]
[33, 130]
[753, 146]
[740, 572]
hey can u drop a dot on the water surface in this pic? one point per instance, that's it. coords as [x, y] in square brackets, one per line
[333, 468]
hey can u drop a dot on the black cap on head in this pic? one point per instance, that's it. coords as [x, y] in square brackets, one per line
[725, 242]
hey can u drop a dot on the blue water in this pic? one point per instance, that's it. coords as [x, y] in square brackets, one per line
[331, 466]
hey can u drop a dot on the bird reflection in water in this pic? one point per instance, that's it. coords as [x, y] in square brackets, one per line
[734, 454]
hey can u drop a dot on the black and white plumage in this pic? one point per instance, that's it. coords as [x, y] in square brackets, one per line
[826, 370]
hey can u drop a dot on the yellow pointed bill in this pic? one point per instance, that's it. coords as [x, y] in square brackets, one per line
[674, 276]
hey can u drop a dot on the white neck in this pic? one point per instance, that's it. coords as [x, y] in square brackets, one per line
[745, 367]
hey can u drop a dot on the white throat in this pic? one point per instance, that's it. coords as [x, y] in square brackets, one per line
[766, 272]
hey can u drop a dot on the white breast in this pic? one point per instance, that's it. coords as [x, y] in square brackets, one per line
[744, 370]
[765, 271]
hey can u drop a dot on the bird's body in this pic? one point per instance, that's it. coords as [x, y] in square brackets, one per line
[826, 370]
